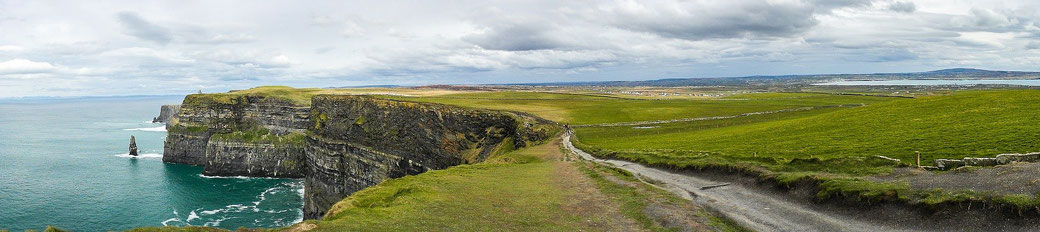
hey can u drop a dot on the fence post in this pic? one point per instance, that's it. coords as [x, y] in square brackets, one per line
[917, 155]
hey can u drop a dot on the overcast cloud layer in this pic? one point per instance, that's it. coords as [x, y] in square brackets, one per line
[68, 48]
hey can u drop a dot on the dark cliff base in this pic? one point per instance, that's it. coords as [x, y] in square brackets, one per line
[340, 144]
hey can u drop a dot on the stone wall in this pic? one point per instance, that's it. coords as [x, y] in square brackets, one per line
[1001, 159]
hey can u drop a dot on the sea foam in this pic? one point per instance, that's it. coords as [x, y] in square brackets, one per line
[153, 129]
[140, 156]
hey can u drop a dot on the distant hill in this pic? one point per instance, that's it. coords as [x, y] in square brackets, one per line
[955, 73]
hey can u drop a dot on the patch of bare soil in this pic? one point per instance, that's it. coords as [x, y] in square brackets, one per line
[302, 227]
[585, 200]
[588, 202]
[1017, 178]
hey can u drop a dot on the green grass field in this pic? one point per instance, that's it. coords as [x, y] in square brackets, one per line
[835, 147]
[461, 198]
[587, 109]
[515, 191]
[976, 124]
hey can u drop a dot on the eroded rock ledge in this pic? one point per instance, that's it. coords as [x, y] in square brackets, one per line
[339, 144]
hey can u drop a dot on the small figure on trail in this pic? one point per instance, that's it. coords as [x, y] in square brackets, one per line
[567, 126]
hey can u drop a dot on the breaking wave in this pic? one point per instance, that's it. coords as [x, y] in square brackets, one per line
[154, 129]
[140, 156]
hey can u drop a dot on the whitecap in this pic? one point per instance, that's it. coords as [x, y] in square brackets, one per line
[140, 156]
[154, 129]
[235, 177]
[644, 127]
[211, 212]
[164, 223]
[192, 216]
[217, 221]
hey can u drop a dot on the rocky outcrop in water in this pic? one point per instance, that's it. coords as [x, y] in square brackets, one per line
[166, 112]
[133, 146]
[341, 144]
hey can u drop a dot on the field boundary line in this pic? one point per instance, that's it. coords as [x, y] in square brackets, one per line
[640, 123]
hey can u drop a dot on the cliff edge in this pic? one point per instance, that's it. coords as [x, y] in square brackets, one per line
[339, 144]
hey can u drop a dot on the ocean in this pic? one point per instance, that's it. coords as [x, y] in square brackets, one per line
[65, 162]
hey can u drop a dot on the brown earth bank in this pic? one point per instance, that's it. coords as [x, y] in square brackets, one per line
[1015, 178]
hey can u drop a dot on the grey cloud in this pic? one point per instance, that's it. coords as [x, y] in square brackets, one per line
[193, 47]
[199, 35]
[827, 5]
[990, 19]
[741, 19]
[323, 50]
[1033, 45]
[142, 29]
[516, 37]
[904, 7]
[882, 55]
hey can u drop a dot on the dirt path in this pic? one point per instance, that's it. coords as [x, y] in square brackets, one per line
[750, 208]
[584, 199]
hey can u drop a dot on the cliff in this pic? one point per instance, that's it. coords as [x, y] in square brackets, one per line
[238, 135]
[166, 112]
[339, 143]
[359, 141]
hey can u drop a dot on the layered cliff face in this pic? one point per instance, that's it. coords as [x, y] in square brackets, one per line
[229, 157]
[166, 112]
[359, 141]
[238, 135]
[340, 144]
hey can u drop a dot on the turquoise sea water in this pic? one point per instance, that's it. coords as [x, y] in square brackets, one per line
[65, 163]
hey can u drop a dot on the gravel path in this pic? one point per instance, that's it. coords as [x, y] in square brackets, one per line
[752, 209]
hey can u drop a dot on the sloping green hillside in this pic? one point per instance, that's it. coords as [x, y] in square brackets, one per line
[588, 109]
[977, 124]
[531, 189]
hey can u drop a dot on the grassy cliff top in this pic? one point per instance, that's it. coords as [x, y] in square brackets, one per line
[590, 109]
[302, 96]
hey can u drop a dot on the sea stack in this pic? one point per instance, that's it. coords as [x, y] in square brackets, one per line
[133, 146]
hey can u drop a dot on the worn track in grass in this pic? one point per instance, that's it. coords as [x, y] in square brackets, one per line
[750, 208]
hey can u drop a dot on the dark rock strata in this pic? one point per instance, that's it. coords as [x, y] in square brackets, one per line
[202, 116]
[351, 142]
[360, 141]
[232, 158]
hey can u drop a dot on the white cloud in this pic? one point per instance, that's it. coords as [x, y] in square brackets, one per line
[11, 48]
[23, 66]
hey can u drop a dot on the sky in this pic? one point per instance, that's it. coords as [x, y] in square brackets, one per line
[78, 48]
